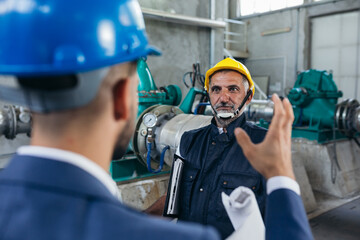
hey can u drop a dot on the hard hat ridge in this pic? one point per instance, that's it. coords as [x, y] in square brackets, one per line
[70, 36]
[52, 38]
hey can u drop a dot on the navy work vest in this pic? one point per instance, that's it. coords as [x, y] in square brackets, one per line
[215, 163]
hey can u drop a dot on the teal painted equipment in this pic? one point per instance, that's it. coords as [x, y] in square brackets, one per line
[188, 102]
[314, 99]
[150, 95]
[318, 116]
[129, 167]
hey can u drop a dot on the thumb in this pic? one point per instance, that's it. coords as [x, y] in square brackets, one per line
[243, 140]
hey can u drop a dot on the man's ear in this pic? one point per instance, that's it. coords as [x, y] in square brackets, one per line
[250, 97]
[121, 95]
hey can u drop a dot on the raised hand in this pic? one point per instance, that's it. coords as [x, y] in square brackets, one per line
[272, 157]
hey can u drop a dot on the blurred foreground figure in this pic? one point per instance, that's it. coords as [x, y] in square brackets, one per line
[73, 63]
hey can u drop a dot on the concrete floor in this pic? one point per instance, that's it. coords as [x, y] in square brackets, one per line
[335, 218]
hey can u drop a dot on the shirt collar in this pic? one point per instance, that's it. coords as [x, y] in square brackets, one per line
[75, 159]
[239, 122]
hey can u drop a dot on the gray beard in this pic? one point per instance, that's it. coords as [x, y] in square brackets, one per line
[225, 122]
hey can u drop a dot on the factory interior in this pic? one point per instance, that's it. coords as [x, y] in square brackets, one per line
[305, 50]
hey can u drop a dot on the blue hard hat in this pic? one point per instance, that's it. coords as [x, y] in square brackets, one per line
[59, 37]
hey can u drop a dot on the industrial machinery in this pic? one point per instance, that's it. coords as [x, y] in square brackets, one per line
[14, 120]
[149, 94]
[160, 123]
[314, 99]
[128, 167]
[317, 114]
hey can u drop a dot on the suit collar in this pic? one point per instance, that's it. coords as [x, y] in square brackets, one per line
[44, 173]
[73, 158]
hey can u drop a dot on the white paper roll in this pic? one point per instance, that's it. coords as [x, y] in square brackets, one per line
[244, 214]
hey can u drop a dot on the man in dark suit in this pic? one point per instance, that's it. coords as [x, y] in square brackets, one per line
[285, 217]
[73, 63]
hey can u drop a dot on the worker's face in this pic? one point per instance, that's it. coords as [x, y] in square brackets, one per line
[226, 93]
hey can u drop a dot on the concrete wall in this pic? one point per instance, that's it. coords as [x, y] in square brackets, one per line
[282, 55]
[181, 45]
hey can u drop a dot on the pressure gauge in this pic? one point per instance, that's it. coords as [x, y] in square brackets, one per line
[149, 120]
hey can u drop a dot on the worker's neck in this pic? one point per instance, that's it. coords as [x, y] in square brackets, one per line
[91, 145]
[223, 123]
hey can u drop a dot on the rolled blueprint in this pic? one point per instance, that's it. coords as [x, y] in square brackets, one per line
[244, 214]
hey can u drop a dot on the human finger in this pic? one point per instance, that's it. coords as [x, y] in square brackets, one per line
[289, 114]
[279, 113]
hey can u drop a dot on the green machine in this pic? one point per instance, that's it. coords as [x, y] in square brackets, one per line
[150, 95]
[318, 115]
[314, 99]
[129, 167]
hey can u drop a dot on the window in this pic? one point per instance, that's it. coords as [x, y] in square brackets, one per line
[259, 6]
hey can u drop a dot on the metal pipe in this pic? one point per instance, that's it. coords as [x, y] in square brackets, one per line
[182, 19]
[212, 34]
[233, 34]
[14, 120]
[232, 41]
[3, 122]
[259, 109]
[169, 134]
[171, 123]
[260, 91]
[227, 53]
[234, 21]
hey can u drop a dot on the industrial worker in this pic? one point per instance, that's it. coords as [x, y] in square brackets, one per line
[73, 63]
[214, 162]
[77, 74]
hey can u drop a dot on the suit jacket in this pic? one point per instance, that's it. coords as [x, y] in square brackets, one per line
[285, 217]
[47, 199]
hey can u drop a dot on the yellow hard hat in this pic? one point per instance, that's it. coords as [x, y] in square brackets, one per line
[229, 63]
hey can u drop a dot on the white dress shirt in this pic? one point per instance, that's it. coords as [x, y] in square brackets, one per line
[280, 182]
[75, 159]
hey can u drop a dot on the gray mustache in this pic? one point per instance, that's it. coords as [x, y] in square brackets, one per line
[216, 106]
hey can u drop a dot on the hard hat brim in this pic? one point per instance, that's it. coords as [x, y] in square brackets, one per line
[151, 50]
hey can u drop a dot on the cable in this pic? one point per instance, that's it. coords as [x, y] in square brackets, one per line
[184, 78]
[194, 76]
[162, 156]
[148, 157]
[197, 75]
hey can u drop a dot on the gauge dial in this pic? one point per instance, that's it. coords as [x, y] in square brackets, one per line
[149, 120]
